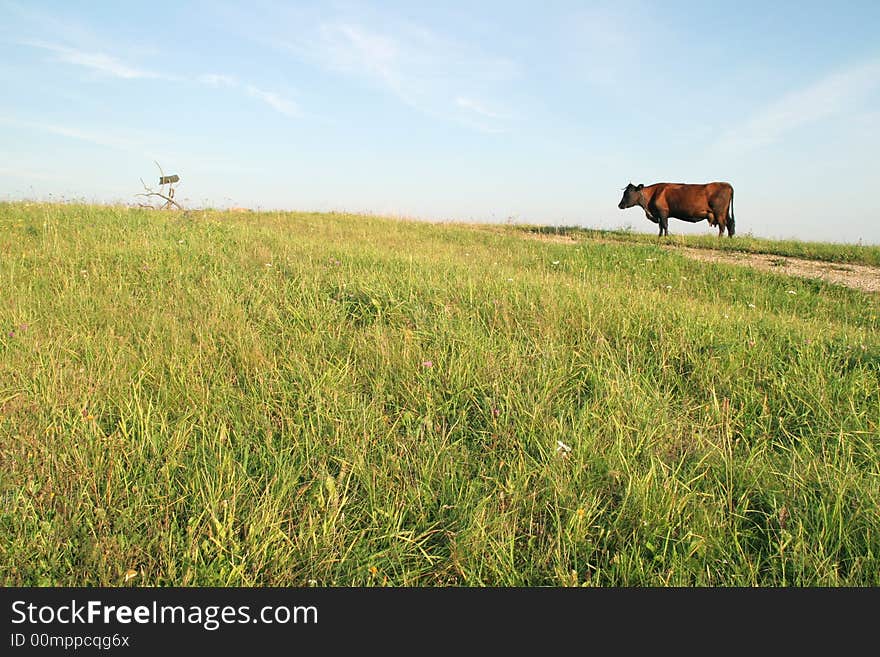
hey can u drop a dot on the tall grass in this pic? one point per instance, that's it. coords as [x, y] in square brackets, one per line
[328, 399]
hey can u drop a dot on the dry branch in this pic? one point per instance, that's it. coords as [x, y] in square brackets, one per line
[168, 197]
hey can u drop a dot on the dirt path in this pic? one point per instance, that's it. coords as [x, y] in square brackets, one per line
[859, 277]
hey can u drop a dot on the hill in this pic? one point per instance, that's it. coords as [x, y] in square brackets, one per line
[211, 398]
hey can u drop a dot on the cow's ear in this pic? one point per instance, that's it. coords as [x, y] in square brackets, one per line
[641, 186]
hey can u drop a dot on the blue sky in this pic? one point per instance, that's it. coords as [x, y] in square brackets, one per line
[494, 111]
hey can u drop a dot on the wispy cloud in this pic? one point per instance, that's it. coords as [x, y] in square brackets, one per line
[358, 50]
[830, 96]
[479, 108]
[603, 44]
[353, 47]
[275, 101]
[29, 174]
[426, 71]
[218, 80]
[96, 61]
[98, 138]
[111, 66]
[432, 73]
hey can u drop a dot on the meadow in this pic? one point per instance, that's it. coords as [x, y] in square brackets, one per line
[301, 399]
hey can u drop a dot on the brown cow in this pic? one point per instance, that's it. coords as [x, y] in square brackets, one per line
[712, 201]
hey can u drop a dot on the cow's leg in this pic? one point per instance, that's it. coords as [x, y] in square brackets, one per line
[664, 223]
[719, 215]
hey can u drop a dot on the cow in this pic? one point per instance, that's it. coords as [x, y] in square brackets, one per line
[712, 201]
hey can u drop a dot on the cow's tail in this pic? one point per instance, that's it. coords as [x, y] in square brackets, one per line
[731, 222]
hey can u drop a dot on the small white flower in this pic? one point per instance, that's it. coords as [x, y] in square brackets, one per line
[668, 287]
[792, 292]
[562, 448]
[180, 241]
[751, 305]
[268, 264]
[650, 259]
[555, 262]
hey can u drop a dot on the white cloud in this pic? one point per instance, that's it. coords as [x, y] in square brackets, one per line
[276, 102]
[605, 44]
[358, 50]
[479, 108]
[108, 65]
[101, 139]
[426, 71]
[29, 174]
[827, 97]
[218, 80]
[351, 47]
[96, 61]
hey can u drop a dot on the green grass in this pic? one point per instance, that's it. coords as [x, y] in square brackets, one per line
[744, 243]
[327, 399]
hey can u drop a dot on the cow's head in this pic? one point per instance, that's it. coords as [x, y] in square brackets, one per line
[631, 196]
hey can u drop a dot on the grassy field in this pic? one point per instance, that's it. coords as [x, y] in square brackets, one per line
[326, 399]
